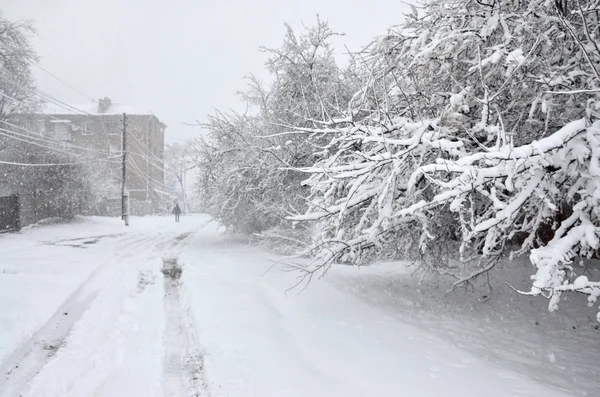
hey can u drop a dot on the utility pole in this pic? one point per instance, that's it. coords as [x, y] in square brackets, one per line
[124, 192]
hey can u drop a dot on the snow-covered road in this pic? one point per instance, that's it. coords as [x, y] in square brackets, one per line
[87, 311]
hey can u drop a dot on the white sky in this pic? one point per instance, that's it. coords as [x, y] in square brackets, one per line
[179, 58]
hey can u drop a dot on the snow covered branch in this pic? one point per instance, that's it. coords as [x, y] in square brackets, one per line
[490, 158]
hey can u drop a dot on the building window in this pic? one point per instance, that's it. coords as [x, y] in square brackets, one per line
[60, 130]
[86, 129]
[113, 150]
[60, 127]
[112, 127]
[41, 126]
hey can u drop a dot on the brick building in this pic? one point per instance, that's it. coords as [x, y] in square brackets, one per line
[98, 126]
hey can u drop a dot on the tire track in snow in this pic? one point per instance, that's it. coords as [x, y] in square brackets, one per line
[184, 362]
[26, 361]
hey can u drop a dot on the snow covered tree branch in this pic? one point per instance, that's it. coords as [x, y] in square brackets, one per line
[16, 77]
[476, 125]
[248, 163]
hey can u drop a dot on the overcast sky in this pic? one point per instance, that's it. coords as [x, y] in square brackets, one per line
[180, 59]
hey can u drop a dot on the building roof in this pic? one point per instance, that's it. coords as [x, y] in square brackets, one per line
[91, 108]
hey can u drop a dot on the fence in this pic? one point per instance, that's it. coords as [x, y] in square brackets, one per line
[9, 213]
[36, 206]
[17, 211]
[105, 207]
[112, 207]
[140, 208]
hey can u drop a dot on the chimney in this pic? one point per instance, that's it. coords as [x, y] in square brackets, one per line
[104, 104]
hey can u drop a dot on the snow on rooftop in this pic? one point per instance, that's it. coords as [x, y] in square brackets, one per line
[91, 107]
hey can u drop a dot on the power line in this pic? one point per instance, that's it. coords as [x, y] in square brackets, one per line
[45, 96]
[154, 182]
[35, 136]
[148, 160]
[33, 139]
[142, 144]
[62, 81]
[143, 174]
[47, 164]
[144, 157]
[4, 133]
[50, 98]
[52, 116]
[56, 102]
[20, 101]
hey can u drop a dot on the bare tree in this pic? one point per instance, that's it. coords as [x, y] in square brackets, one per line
[17, 90]
[179, 161]
[248, 163]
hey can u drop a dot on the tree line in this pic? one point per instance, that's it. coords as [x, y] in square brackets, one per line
[466, 133]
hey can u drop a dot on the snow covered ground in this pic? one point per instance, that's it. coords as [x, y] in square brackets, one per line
[93, 308]
[502, 327]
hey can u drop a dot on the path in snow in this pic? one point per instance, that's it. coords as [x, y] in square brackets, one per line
[183, 359]
[27, 360]
[40, 267]
[106, 339]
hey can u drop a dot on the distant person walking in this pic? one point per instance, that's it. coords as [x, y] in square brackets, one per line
[177, 211]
